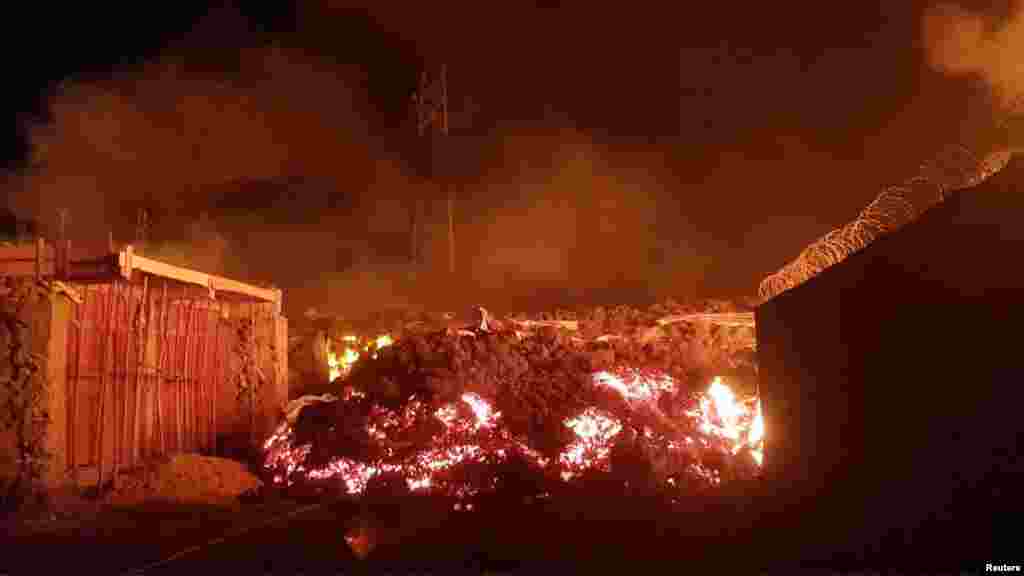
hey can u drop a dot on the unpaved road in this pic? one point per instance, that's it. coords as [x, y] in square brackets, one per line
[424, 536]
[417, 536]
[113, 541]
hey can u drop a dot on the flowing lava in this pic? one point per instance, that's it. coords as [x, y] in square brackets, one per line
[470, 432]
[594, 431]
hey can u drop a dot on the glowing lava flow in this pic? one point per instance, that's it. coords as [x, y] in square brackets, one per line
[594, 432]
[636, 387]
[470, 434]
[472, 431]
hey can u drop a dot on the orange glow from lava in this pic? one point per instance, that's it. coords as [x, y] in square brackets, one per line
[340, 364]
[383, 340]
[741, 423]
[594, 431]
[635, 386]
[755, 438]
[472, 431]
[485, 414]
[360, 541]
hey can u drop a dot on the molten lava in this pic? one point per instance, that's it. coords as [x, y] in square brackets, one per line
[594, 431]
[471, 433]
[636, 387]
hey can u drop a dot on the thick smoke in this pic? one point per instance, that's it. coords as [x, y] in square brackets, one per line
[964, 43]
[268, 166]
[171, 135]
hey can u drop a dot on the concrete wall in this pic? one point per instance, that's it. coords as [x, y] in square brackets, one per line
[892, 386]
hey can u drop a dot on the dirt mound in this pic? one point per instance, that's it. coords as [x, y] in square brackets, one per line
[186, 479]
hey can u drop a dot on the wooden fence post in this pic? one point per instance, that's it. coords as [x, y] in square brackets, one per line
[161, 420]
[218, 375]
[100, 427]
[140, 358]
[40, 246]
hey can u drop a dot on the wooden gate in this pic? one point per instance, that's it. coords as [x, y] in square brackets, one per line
[146, 364]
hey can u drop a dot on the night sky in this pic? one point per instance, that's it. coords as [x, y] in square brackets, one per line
[599, 154]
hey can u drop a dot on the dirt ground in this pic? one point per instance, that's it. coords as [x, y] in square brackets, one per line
[114, 539]
[156, 511]
[186, 479]
[179, 482]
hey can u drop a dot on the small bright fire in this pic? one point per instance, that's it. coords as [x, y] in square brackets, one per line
[340, 363]
[740, 423]
[443, 448]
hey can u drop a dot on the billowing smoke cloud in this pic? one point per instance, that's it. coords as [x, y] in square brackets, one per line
[572, 214]
[963, 43]
[172, 132]
[265, 167]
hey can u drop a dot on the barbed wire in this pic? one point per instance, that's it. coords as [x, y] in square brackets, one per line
[953, 169]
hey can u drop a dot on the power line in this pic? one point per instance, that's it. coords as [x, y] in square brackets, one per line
[431, 102]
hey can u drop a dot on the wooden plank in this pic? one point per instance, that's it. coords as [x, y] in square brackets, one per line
[141, 322]
[149, 382]
[207, 388]
[179, 393]
[201, 379]
[26, 268]
[162, 349]
[26, 252]
[186, 368]
[71, 387]
[218, 377]
[117, 388]
[39, 258]
[100, 427]
[130, 261]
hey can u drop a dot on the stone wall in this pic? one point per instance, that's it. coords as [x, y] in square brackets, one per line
[47, 322]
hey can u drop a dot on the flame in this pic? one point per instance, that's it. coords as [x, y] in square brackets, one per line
[721, 412]
[724, 417]
[755, 438]
[341, 364]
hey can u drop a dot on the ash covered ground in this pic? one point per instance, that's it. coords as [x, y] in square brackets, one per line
[640, 401]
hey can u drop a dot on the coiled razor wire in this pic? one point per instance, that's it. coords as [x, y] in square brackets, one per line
[894, 207]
